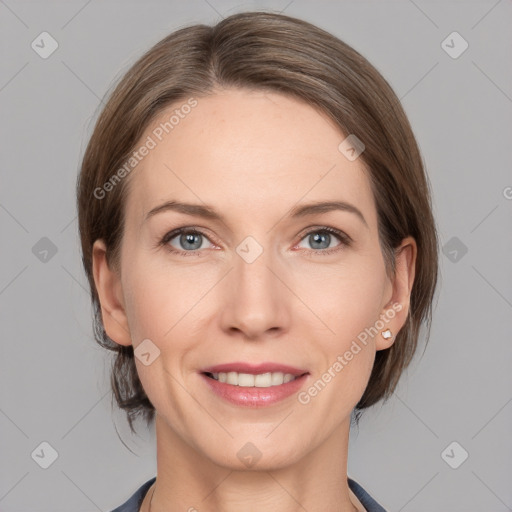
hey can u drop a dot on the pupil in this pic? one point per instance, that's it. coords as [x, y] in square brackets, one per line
[189, 239]
[319, 238]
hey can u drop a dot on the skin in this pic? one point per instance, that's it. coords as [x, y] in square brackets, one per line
[252, 156]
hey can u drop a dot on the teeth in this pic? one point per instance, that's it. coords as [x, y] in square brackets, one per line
[262, 380]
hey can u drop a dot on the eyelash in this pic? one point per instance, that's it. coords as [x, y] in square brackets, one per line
[345, 240]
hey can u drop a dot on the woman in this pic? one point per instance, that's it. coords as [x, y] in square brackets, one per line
[257, 233]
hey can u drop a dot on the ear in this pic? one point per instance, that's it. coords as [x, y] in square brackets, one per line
[108, 285]
[399, 302]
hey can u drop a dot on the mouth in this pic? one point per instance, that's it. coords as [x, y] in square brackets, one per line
[254, 385]
[249, 380]
[261, 375]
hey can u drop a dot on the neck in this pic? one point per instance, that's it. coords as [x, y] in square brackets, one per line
[189, 481]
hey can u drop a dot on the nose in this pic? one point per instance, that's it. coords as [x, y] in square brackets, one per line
[256, 301]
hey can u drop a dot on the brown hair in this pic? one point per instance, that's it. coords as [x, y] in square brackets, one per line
[263, 50]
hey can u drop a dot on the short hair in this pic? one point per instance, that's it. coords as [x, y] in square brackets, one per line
[275, 53]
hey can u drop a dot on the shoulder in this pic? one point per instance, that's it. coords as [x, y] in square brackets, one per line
[135, 501]
[369, 503]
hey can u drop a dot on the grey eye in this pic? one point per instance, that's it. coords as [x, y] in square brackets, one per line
[320, 239]
[188, 241]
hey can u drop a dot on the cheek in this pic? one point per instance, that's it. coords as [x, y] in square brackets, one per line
[349, 302]
[162, 300]
[151, 300]
[156, 305]
[347, 298]
[351, 308]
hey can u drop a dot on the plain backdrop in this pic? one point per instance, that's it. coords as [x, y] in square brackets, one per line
[454, 402]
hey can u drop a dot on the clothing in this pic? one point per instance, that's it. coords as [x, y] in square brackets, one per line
[134, 503]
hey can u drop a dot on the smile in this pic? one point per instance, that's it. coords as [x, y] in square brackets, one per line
[261, 380]
[254, 390]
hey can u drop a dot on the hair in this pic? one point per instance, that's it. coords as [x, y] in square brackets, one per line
[276, 53]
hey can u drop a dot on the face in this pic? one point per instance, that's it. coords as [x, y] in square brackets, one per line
[264, 280]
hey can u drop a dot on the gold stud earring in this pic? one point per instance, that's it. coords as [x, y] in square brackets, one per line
[387, 334]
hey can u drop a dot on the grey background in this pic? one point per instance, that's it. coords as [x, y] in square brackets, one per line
[54, 378]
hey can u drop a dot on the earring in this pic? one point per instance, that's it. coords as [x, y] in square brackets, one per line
[387, 334]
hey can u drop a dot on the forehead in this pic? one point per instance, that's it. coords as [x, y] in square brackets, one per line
[246, 151]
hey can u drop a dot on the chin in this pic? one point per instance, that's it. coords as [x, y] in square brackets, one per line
[254, 456]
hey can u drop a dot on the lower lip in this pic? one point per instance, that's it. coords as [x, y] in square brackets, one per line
[253, 396]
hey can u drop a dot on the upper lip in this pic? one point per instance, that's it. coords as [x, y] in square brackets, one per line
[254, 369]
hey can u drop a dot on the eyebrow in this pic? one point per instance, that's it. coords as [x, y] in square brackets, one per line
[303, 210]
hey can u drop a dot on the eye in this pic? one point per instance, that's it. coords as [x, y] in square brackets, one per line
[320, 239]
[185, 240]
